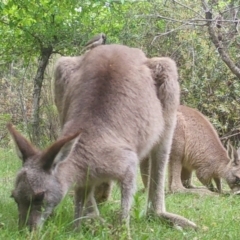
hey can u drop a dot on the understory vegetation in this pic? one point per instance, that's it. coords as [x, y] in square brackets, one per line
[35, 33]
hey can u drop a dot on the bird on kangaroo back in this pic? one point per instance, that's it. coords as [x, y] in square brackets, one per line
[116, 106]
[197, 147]
[97, 40]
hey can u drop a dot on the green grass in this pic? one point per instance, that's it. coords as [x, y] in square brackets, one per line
[216, 216]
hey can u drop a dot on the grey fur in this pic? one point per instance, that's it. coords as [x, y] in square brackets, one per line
[109, 95]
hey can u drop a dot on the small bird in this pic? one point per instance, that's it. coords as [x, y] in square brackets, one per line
[97, 40]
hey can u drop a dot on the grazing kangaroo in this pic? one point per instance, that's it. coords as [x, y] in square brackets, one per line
[196, 146]
[115, 107]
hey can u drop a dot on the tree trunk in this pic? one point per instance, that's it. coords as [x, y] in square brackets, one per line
[38, 80]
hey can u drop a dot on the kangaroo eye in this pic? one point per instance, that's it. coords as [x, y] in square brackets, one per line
[237, 181]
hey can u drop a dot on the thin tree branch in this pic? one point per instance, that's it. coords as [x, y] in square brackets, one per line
[186, 21]
[183, 5]
[226, 137]
[166, 33]
[219, 46]
[230, 9]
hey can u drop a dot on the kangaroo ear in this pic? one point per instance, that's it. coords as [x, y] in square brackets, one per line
[24, 148]
[232, 153]
[236, 159]
[48, 156]
[162, 69]
[229, 149]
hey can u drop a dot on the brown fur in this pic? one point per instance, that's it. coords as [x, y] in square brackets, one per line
[196, 146]
[109, 95]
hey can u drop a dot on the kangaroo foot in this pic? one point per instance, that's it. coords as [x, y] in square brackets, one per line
[177, 220]
[195, 187]
[200, 191]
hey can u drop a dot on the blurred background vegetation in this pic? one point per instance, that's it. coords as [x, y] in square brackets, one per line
[201, 36]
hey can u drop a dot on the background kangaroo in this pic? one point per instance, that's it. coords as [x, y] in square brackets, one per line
[196, 146]
[109, 97]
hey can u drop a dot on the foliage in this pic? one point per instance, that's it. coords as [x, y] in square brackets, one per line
[33, 25]
[3, 133]
[206, 83]
[36, 29]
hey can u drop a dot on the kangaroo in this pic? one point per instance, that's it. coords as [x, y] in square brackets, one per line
[116, 106]
[196, 146]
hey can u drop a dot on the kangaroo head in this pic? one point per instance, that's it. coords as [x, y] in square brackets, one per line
[37, 191]
[233, 170]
